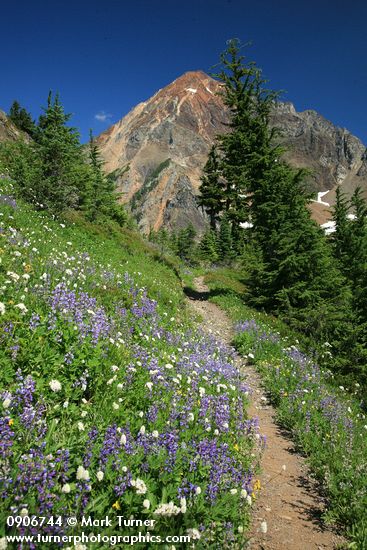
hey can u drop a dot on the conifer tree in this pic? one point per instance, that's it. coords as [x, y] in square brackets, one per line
[211, 190]
[225, 248]
[22, 119]
[208, 247]
[248, 148]
[341, 238]
[64, 174]
[186, 242]
[100, 196]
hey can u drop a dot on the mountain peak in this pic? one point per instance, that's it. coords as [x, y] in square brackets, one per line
[160, 148]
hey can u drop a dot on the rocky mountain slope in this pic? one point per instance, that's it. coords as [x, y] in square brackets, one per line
[8, 131]
[158, 150]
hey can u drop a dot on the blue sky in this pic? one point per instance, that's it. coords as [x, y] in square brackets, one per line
[106, 56]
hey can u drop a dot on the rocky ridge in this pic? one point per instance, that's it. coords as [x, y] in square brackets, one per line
[158, 150]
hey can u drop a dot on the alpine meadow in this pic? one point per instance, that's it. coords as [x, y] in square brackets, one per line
[183, 326]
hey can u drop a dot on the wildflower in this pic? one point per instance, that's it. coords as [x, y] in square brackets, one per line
[146, 504]
[142, 430]
[21, 308]
[240, 528]
[115, 406]
[6, 403]
[257, 485]
[191, 417]
[66, 488]
[155, 434]
[169, 509]
[81, 426]
[11, 422]
[194, 534]
[116, 505]
[123, 439]
[100, 475]
[183, 505]
[23, 512]
[236, 447]
[244, 493]
[249, 500]
[82, 474]
[139, 485]
[3, 543]
[2, 308]
[149, 385]
[55, 385]
[198, 491]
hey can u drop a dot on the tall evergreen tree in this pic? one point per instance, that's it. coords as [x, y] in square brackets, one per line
[248, 148]
[341, 238]
[211, 190]
[64, 174]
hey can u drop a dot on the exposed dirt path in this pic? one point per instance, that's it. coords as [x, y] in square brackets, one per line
[288, 501]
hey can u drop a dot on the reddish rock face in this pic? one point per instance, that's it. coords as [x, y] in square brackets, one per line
[158, 151]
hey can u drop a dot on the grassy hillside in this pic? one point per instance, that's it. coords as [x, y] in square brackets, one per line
[327, 420]
[112, 403]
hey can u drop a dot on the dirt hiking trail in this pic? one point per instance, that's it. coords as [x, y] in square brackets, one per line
[288, 501]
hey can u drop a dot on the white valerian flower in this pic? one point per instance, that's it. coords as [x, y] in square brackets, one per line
[13, 275]
[66, 488]
[149, 385]
[66, 404]
[2, 308]
[81, 426]
[83, 414]
[6, 403]
[142, 430]
[155, 434]
[124, 469]
[23, 512]
[191, 417]
[100, 475]
[243, 493]
[183, 505]
[233, 491]
[194, 534]
[21, 308]
[82, 473]
[141, 414]
[249, 500]
[201, 391]
[264, 527]
[3, 543]
[198, 491]
[139, 485]
[169, 366]
[115, 406]
[123, 439]
[169, 509]
[146, 504]
[240, 528]
[55, 385]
